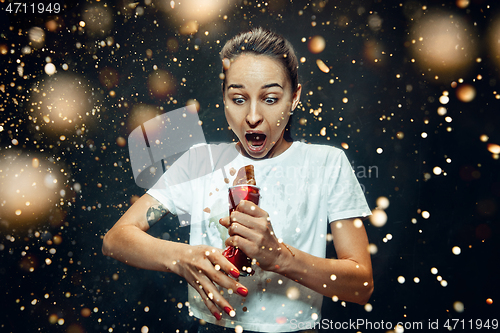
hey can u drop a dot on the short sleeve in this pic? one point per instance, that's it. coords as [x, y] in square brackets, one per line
[173, 189]
[345, 196]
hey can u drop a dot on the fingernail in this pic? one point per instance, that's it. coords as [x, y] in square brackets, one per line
[235, 273]
[217, 315]
[228, 310]
[220, 221]
[242, 291]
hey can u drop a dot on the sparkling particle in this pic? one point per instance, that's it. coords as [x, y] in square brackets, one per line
[401, 279]
[489, 301]
[442, 111]
[463, 3]
[372, 248]
[322, 66]
[333, 277]
[437, 170]
[293, 293]
[378, 217]
[382, 202]
[458, 306]
[50, 69]
[144, 329]
[316, 44]
[238, 329]
[426, 214]
[416, 279]
[434, 270]
[494, 148]
[466, 93]
[456, 250]
[368, 307]
[444, 99]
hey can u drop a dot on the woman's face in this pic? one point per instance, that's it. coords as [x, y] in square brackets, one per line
[258, 99]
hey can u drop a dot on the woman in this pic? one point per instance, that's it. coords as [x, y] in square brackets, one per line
[305, 189]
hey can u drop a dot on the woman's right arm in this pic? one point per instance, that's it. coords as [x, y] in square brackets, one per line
[201, 265]
[128, 242]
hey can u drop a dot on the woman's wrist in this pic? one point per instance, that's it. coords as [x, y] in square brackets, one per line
[284, 259]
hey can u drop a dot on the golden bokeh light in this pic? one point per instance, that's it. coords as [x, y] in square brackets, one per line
[109, 77]
[466, 93]
[29, 187]
[140, 114]
[493, 40]
[463, 3]
[378, 217]
[189, 28]
[196, 105]
[316, 44]
[382, 202]
[442, 45]
[494, 148]
[201, 11]
[322, 66]
[161, 83]
[59, 103]
[98, 19]
[36, 36]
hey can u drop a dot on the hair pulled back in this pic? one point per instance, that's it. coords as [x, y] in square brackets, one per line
[261, 41]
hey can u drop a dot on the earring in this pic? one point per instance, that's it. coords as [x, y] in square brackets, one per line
[291, 112]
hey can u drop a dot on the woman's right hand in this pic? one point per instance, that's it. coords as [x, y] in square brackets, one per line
[203, 268]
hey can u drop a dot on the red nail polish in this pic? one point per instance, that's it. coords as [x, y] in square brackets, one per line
[227, 309]
[217, 315]
[242, 291]
[235, 273]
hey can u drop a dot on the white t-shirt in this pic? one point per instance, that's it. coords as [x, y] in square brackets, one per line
[302, 190]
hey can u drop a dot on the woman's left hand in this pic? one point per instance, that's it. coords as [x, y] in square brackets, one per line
[250, 229]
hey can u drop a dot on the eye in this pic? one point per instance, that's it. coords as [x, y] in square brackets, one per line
[270, 100]
[238, 100]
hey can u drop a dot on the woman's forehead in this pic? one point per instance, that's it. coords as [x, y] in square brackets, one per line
[250, 69]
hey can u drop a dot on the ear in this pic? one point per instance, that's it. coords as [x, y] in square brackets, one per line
[296, 97]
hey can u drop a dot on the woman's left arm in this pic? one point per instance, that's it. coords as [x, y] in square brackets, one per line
[349, 277]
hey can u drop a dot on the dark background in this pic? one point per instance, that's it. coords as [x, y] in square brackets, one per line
[391, 102]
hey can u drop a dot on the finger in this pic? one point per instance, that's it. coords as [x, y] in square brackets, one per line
[238, 229]
[225, 221]
[247, 246]
[210, 294]
[242, 219]
[207, 296]
[221, 263]
[251, 209]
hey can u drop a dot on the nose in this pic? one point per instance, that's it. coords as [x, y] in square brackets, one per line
[254, 116]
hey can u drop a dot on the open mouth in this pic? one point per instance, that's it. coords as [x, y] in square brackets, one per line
[255, 141]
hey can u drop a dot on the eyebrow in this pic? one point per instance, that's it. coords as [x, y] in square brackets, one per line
[239, 86]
